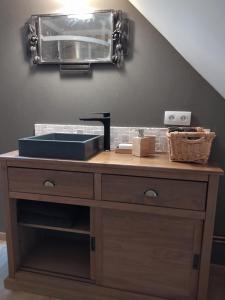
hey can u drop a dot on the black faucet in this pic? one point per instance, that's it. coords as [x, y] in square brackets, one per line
[105, 119]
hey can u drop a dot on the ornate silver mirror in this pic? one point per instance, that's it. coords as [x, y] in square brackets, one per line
[79, 40]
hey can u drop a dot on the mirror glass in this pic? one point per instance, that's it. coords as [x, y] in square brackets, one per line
[76, 38]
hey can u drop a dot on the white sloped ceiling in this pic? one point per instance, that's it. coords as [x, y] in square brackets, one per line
[196, 29]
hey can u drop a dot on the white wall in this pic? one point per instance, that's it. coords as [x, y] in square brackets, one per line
[196, 29]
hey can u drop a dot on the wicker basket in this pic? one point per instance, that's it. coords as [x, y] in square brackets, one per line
[190, 146]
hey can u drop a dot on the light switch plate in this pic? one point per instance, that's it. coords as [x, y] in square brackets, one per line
[179, 118]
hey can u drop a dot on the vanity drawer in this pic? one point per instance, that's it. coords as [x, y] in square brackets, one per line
[153, 191]
[49, 182]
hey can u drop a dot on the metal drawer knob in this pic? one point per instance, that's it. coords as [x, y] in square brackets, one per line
[151, 194]
[49, 184]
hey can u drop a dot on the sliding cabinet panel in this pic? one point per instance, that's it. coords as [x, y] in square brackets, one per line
[149, 254]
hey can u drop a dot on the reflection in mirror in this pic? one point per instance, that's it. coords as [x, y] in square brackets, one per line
[76, 38]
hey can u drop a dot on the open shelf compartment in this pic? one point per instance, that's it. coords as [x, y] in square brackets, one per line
[54, 216]
[54, 239]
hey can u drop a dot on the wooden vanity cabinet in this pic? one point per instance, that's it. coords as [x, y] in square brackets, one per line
[140, 229]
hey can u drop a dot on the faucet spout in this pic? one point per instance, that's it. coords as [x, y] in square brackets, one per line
[106, 120]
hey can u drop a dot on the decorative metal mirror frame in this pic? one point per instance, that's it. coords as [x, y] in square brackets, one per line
[119, 45]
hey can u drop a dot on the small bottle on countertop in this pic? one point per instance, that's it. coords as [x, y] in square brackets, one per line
[143, 145]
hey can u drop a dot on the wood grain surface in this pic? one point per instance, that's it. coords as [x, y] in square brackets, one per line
[73, 184]
[168, 193]
[149, 254]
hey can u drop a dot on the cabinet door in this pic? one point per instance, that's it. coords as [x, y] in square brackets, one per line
[149, 254]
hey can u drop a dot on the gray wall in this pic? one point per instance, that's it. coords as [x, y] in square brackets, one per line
[155, 79]
[196, 29]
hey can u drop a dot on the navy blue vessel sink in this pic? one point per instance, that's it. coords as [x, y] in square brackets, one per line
[62, 145]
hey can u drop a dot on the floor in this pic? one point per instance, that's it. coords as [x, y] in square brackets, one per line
[216, 290]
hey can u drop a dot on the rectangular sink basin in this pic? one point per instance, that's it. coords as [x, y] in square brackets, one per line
[61, 145]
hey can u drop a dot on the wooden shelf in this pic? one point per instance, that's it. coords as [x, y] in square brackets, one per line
[60, 256]
[80, 228]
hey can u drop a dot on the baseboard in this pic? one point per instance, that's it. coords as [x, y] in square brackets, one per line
[2, 236]
[218, 251]
[218, 270]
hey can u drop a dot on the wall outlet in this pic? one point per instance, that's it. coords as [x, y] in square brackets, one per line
[179, 118]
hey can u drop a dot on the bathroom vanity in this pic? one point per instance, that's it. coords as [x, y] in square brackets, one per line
[115, 227]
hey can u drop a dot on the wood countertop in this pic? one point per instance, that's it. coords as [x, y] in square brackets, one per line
[157, 162]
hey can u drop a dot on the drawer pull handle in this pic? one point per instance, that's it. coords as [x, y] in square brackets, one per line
[151, 194]
[49, 184]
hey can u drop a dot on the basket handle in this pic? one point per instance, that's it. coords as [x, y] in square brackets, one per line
[201, 139]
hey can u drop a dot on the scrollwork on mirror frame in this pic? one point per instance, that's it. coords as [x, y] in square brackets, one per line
[33, 43]
[120, 38]
[110, 46]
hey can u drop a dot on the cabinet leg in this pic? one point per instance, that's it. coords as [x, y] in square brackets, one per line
[208, 237]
